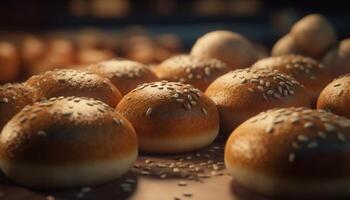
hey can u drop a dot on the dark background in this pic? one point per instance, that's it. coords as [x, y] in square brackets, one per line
[262, 21]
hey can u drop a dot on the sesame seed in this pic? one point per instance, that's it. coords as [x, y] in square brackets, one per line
[277, 96]
[188, 194]
[329, 127]
[321, 134]
[204, 111]
[149, 111]
[295, 120]
[269, 92]
[308, 125]
[176, 170]
[182, 183]
[41, 133]
[260, 88]
[251, 90]
[269, 129]
[303, 138]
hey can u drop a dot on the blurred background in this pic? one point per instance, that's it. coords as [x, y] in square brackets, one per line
[40, 34]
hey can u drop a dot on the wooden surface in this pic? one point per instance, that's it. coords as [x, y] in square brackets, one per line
[198, 176]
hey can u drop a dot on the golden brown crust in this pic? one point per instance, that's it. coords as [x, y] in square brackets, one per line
[67, 131]
[309, 72]
[124, 74]
[335, 97]
[243, 93]
[14, 97]
[337, 60]
[199, 72]
[290, 144]
[170, 110]
[232, 48]
[69, 82]
[285, 45]
[314, 35]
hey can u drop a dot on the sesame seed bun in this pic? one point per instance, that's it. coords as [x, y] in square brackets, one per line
[9, 62]
[199, 72]
[124, 74]
[243, 93]
[335, 97]
[338, 59]
[232, 48]
[170, 117]
[67, 142]
[14, 97]
[69, 82]
[291, 152]
[305, 70]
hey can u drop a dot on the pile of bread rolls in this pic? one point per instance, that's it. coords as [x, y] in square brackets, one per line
[285, 119]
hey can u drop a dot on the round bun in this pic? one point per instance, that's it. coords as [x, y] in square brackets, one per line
[335, 97]
[124, 74]
[232, 48]
[199, 72]
[69, 82]
[14, 97]
[170, 117]
[291, 152]
[285, 45]
[305, 70]
[9, 62]
[314, 35]
[244, 93]
[338, 59]
[67, 142]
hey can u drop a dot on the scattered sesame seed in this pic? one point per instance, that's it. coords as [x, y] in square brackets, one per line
[182, 183]
[303, 138]
[149, 111]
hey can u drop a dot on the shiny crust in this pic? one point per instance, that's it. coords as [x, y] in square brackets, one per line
[126, 75]
[199, 72]
[335, 97]
[65, 133]
[243, 93]
[169, 110]
[232, 48]
[14, 97]
[282, 147]
[69, 82]
[307, 71]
